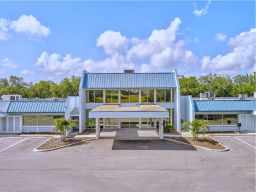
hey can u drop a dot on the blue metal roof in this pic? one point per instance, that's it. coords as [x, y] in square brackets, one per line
[129, 80]
[224, 105]
[33, 106]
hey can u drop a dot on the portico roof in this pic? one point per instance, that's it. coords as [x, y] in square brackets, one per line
[118, 111]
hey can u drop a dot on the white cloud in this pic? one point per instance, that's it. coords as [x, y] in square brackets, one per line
[203, 11]
[9, 63]
[28, 24]
[57, 64]
[161, 50]
[27, 72]
[111, 41]
[220, 37]
[4, 29]
[242, 55]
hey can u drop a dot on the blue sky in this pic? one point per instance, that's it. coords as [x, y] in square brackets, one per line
[49, 41]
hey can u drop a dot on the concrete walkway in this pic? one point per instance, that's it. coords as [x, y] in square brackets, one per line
[130, 134]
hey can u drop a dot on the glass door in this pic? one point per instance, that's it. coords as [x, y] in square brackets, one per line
[129, 123]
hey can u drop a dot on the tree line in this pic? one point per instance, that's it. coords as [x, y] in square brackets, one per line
[222, 86]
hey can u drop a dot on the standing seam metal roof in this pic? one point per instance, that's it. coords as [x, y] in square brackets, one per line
[129, 80]
[224, 105]
[36, 107]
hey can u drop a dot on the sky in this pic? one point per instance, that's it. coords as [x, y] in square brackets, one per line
[53, 40]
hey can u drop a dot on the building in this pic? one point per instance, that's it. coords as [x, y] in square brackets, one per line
[221, 114]
[127, 100]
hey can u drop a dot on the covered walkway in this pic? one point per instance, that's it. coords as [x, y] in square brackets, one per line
[155, 112]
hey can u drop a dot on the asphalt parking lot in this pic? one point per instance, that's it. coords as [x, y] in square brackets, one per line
[106, 165]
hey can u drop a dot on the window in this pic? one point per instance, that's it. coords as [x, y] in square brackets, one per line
[45, 120]
[201, 117]
[147, 96]
[56, 117]
[40, 120]
[230, 119]
[111, 96]
[214, 119]
[29, 120]
[130, 96]
[134, 96]
[164, 95]
[94, 96]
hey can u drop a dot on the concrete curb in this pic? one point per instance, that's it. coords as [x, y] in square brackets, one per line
[200, 147]
[62, 146]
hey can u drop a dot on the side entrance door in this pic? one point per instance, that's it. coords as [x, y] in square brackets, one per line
[248, 122]
[14, 124]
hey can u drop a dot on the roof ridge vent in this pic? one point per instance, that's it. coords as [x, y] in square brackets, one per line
[129, 71]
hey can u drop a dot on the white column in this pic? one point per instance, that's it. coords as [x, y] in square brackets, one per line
[161, 129]
[104, 123]
[139, 96]
[119, 96]
[155, 96]
[97, 128]
[139, 123]
[104, 97]
[119, 123]
[82, 101]
[155, 123]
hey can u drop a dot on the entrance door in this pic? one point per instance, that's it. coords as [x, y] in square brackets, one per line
[129, 123]
[13, 124]
[248, 122]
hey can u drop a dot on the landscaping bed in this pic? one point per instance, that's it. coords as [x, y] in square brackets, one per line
[88, 132]
[204, 142]
[56, 143]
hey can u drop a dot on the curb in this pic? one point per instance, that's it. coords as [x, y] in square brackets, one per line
[200, 147]
[62, 146]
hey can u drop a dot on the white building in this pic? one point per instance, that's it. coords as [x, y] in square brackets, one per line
[127, 100]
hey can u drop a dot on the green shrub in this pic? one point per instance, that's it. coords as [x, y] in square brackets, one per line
[168, 127]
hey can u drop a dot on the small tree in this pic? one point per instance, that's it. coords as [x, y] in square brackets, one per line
[90, 123]
[62, 125]
[195, 126]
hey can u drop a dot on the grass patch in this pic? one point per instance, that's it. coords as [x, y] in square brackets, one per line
[206, 142]
[56, 143]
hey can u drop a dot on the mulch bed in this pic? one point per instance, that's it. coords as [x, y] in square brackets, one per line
[206, 142]
[56, 143]
[88, 132]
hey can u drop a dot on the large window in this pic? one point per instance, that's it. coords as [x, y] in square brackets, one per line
[229, 119]
[214, 119]
[164, 95]
[218, 119]
[45, 120]
[29, 120]
[130, 96]
[40, 120]
[94, 96]
[147, 96]
[111, 96]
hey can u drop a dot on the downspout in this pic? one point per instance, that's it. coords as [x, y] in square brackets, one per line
[177, 105]
[82, 103]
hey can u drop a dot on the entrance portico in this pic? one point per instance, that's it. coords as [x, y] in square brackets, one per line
[154, 112]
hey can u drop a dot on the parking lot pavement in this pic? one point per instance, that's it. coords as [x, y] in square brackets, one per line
[19, 144]
[96, 167]
[245, 142]
[5, 142]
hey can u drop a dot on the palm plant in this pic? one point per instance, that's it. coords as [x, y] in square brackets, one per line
[90, 123]
[195, 126]
[62, 125]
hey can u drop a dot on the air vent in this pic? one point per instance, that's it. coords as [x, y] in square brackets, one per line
[129, 71]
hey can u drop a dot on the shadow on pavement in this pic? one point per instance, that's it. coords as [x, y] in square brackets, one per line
[149, 145]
